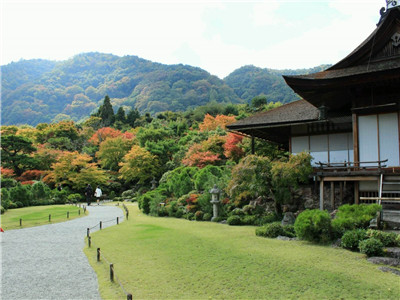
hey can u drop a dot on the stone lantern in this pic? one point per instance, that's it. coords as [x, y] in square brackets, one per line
[153, 183]
[215, 191]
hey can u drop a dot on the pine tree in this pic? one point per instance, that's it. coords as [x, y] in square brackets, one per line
[106, 112]
[132, 116]
[120, 115]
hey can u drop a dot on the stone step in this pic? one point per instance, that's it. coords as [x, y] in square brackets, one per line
[393, 252]
[391, 216]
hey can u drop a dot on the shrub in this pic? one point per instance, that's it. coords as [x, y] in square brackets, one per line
[237, 212]
[40, 190]
[207, 217]
[198, 215]
[12, 205]
[249, 220]
[354, 216]
[314, 226]
[289, 231]
[234, 220]
[371, 247]
[179, 213]
[8, 182]
[75, 198]
[271, 230]
[172, 208]
[21, 195]
[112, 195]
[398, 240]
[388, 239]
[352, 238]
[270, 218]
[248, 209]
[128, 194]
[2, 210]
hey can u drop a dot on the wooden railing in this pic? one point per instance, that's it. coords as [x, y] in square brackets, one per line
[353, 166]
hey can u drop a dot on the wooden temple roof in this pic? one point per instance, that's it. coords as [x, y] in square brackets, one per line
[277, 120]
[375, 63]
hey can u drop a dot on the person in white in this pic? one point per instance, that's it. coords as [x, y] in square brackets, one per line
[97, 194]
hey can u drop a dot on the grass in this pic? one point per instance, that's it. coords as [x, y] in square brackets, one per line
[38, 215]
[167, 258]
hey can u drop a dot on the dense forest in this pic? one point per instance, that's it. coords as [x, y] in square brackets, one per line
[37, 91]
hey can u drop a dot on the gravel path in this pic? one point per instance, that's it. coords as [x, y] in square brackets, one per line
[47, 262]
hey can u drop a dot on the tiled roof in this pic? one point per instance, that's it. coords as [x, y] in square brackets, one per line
[296, 111]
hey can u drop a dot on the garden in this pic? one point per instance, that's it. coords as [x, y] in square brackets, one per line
[177, 258]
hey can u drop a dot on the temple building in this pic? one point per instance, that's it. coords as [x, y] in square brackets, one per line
[348, 119]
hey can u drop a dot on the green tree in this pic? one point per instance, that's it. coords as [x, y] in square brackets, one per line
[139, 164]
[112, 151]
[106, 112]
[132, 117]
[15, 153]
[120, 115]
[258, 102]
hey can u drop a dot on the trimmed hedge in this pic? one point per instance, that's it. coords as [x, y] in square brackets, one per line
[314, 226]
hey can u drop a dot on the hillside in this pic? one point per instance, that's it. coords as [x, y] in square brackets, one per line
[250, 81]
[36, 91]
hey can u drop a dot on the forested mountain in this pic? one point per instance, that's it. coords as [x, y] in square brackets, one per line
[36, 91]
[250, 81]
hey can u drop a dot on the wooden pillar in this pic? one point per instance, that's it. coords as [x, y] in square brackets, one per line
[252, 145]
[341, 193]
[355, 139]
[333, 195]
[356, 193]
[321, 193]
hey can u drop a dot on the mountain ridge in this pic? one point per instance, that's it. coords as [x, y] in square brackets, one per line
[38, 91]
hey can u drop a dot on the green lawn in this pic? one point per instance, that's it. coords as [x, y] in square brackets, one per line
[159, 258]
[38, 215]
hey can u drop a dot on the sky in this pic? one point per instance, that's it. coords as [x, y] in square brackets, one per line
[218, 36]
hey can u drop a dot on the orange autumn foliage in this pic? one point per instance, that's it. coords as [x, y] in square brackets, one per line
[104, 133]
[7, 173]
[211, 123]
[231, 148]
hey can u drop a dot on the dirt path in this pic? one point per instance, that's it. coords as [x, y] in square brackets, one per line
[47, 262]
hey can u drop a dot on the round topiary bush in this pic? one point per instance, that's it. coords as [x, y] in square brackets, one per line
[314, 226]
[271, 230]
[371, 247]
[207, 217]
[249, 220]
[352, 238]
[234, 220]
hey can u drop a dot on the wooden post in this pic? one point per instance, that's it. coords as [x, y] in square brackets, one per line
[89, 241]
[321, 193]
[355, 141]
[88, 232]
[127, 215]
[67, 214]
[79, 212]
[49, 217]
[129, 297]
[20, 222]
[101, 225]
[117, 220]
[356, 193]
[112, 272]
[98, 254]
[341, 192]
[333, 195]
